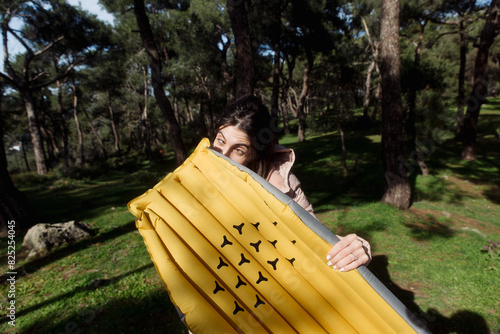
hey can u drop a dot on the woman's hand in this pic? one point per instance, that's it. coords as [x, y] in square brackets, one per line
[349, 253]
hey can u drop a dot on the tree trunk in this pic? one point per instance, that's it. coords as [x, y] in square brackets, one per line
[113, 124]
[48, 132]
[373, 64]
[480, 85]
[146, 129]
[245, 71]
[276, 82]
[158, 82]
[36, 137]
[342, 142]
[276, 39]
[286, 99]
[461, 79]
[62, 122]
[366, 99]
[378, 94]
[78, 127]
[15, 210]
[96, 134]
[397, 185]
[25, 156]
[284, 114]
[303, 97]
[190, 117]
[412, 101]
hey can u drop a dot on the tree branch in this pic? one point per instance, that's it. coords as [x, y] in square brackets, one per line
[10, 80]
[60, 76]
[51, 44]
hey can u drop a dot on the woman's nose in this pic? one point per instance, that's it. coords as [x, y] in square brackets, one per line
[223, 151]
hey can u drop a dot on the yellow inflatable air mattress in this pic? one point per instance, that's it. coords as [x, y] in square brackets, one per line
[239, 256]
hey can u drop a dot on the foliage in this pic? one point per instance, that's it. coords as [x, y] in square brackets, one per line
[198, 51]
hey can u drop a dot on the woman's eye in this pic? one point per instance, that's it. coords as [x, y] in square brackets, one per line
[220, 141]
[240, 151]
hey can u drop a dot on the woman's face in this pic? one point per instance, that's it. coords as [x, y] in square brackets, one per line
[234, 144]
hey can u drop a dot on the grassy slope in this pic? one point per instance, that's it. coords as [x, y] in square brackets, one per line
[429, 256]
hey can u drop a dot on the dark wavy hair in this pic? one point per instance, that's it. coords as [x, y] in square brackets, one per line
[251, 116]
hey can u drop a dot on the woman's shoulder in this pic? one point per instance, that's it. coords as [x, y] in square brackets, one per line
[281, 166]
[283, 154]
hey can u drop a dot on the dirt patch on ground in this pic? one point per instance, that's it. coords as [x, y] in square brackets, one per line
[457, 222]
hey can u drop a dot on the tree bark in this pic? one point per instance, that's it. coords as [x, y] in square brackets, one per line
[301, 114]
[366, 99]
[14, 207]
[276, 40]
[245, 70]
[397, 186]
[461, 79]
[377, 98]
[158, 82]
[412, 102]
[146, 128]
[480, 85]
[36, 136]
[77, 125]
[276, 81]
[374, 47]
[285, 93]
[96, 134]
[116, 138]
[342, 142]
[62, 121]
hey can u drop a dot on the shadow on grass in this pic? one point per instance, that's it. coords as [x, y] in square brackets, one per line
[94, 285]
[153, 313]
[82, 204]
[320, 171]
[461, 322]
[34, 265]
[428, 228]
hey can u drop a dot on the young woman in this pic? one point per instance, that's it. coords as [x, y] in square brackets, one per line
[246, 133]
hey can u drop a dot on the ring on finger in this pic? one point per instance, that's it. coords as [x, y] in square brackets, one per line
[355, 257]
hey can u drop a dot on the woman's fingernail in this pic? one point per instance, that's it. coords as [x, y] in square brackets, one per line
[329, 263]
[335, 267]
[342, 269]
[328, 257]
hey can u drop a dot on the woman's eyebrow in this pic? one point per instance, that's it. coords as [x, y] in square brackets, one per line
[243, 144]
[237, 144]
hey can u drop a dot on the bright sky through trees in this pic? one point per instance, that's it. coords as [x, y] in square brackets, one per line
[92, 6]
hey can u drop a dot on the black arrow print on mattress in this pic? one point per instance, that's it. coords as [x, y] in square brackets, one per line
[222, 263]
[218, 288]
[243, 260]
[273, 263]
[273, 242]
[239, 228]
[256, 245]
[259, 301]
[261, 278]
[240, 282]
[225, 242]
[237, 308]
[256, 225]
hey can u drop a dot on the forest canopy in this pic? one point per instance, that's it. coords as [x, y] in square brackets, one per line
[81, 91]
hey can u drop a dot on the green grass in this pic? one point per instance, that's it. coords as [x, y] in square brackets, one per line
[430, 256]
